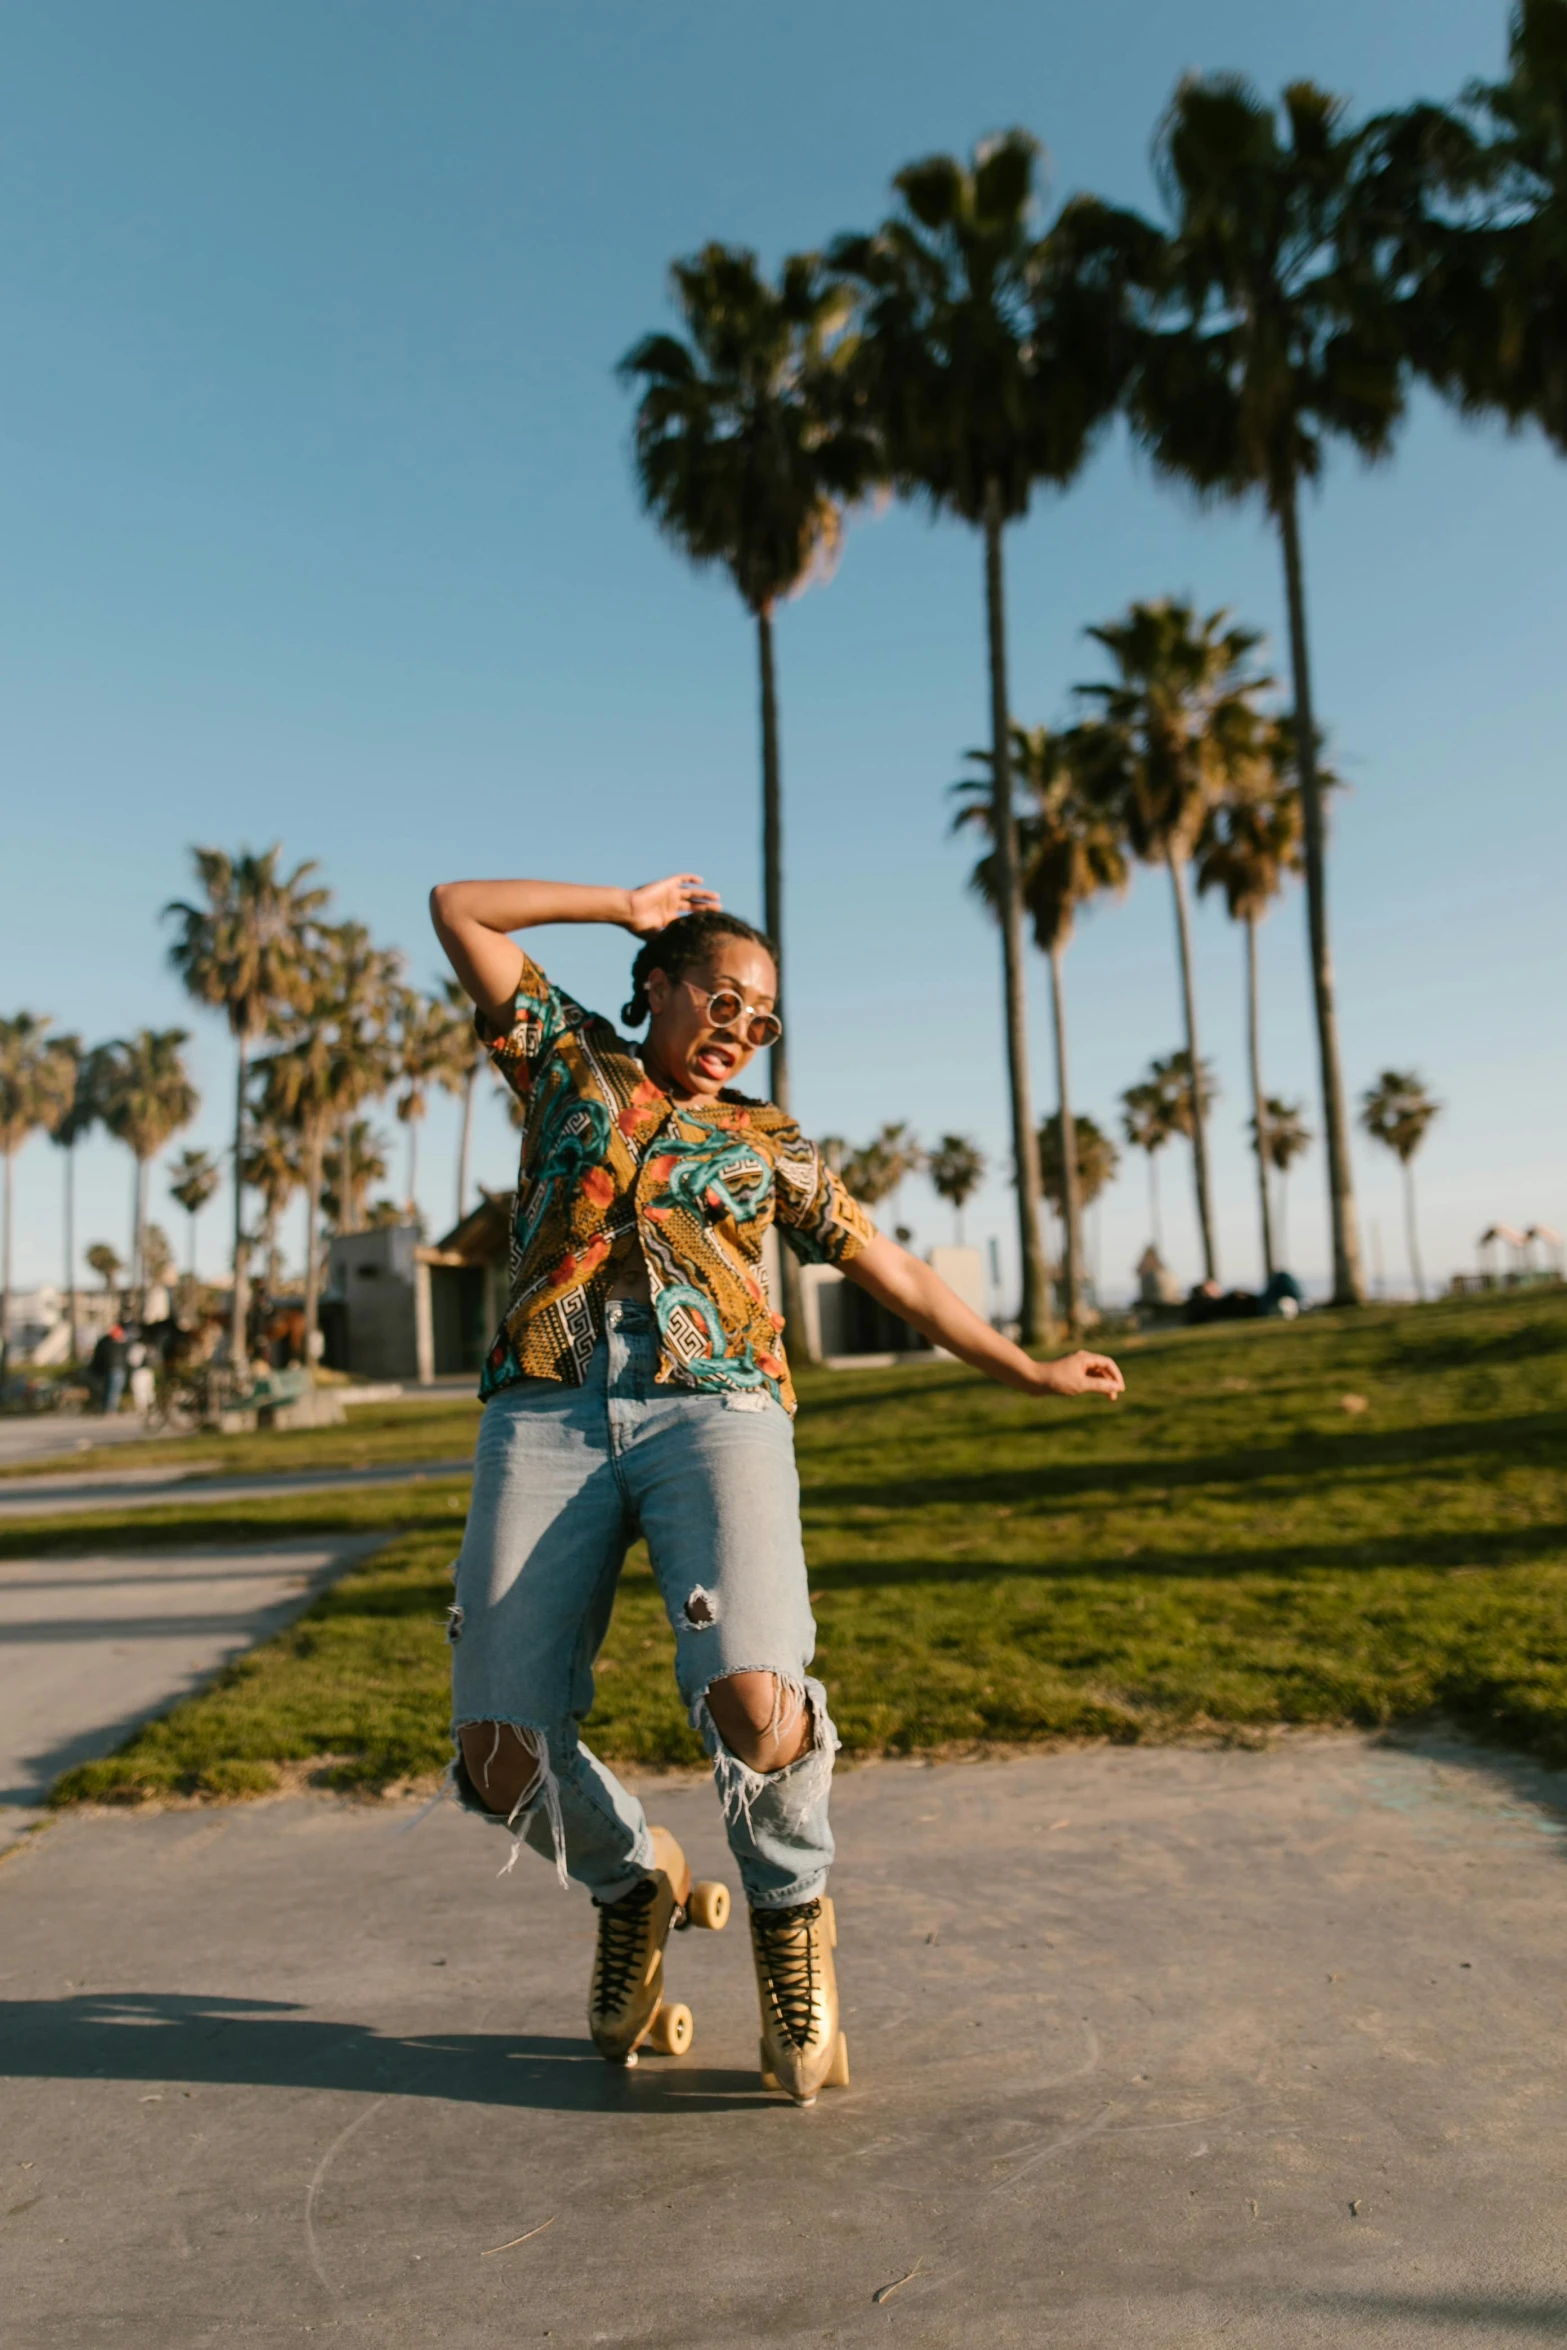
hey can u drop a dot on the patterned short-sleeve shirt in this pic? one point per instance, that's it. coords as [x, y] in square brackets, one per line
[609, 1162]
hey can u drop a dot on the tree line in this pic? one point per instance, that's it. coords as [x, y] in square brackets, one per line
[323, 1024]
[1306, 270]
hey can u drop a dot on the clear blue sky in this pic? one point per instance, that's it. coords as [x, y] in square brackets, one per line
[318, 526]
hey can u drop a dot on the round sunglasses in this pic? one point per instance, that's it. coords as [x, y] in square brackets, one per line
[726, 1007]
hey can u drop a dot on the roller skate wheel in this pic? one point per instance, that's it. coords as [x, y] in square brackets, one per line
[671, 2030]
[838, 2077]
[709, 1905]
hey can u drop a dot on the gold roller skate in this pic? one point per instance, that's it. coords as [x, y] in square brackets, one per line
[626, 2006]
[803, 2046]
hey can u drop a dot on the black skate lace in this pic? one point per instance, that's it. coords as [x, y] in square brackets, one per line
[788, 1952]
[622, 1944]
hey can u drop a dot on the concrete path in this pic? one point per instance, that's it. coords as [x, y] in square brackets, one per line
[132, 1489]
[89, 1647]
[35, 1436]
[1152, 2051]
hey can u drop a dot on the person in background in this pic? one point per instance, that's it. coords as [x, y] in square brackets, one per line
[108, 1368]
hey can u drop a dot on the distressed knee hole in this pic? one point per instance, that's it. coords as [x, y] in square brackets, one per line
[763, 1720]
[701, 1610]
[507, 1766]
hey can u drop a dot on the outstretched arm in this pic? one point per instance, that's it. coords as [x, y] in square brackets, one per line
[911, 1289]
[472, 920]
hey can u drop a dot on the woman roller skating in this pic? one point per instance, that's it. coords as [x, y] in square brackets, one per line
[638, 1386]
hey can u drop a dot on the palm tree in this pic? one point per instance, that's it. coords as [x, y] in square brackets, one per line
[1396, 1111]
[241, 950]
[157, 1256]
[355, 1160]
[274, 1169]
[196, 1176]
[36, 1081]
[1279, 336]
[1085, 1156]
[988, 357]
[1069, 850]
[1150, 1116]
[746, 455]
[79, 1079]
[956, 1168]
[874, 1172]
[1181, 1094]
[422, 1045]
[1477, 199]
[103, 1260]
[361, 983]
[298, 1092]
[1178, 729]
[1286, 1138]
[1251, 840]
[463, 1056]
[1095, 1155]
[146, 1097]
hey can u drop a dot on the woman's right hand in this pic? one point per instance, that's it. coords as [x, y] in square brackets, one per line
[658, 903]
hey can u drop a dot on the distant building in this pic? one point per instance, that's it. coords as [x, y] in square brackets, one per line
[396, 1308]
[38, 1326]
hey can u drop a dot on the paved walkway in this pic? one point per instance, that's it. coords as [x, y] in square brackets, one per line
[131, 1489]
[91, 1646]
[42, 1435]
[1152, 2050]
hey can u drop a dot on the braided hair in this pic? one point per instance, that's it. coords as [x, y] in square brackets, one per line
[678, 948]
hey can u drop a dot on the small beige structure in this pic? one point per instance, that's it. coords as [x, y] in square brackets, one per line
[398, 1308]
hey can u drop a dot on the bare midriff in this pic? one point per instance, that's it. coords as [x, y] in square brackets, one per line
[628, 1281]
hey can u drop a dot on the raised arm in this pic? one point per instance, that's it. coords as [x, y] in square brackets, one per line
[911, 1289]
[473, 918]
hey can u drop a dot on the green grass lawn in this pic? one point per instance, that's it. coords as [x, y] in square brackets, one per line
[372, 1433]
[1228, 1550]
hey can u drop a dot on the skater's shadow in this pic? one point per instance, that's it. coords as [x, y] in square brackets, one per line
[178, 2043]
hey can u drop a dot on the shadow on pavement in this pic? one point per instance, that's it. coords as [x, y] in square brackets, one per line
[166, 2038]
[1543, 2320]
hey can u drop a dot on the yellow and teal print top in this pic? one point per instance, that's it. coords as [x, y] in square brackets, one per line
[610, 1165]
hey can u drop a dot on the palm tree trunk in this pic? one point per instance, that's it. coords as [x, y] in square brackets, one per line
[791, 1298]
[467, 1132]
[314, 1152]
[413, 1166]
[239, 1354]
[1183, 934]
[1153, 1202]
[141, 1239]
[1349, 1288]
[1284, 1217]
[1258, 1099]
[72, 1308]
[1071, 1189]
[5, 1277]
[1034, 1317]
[1415, 1266]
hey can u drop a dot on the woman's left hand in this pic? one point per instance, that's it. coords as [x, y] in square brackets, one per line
[658, 903]
[1081, 1374]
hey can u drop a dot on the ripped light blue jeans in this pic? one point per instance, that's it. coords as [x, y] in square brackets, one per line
[565, 1479]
